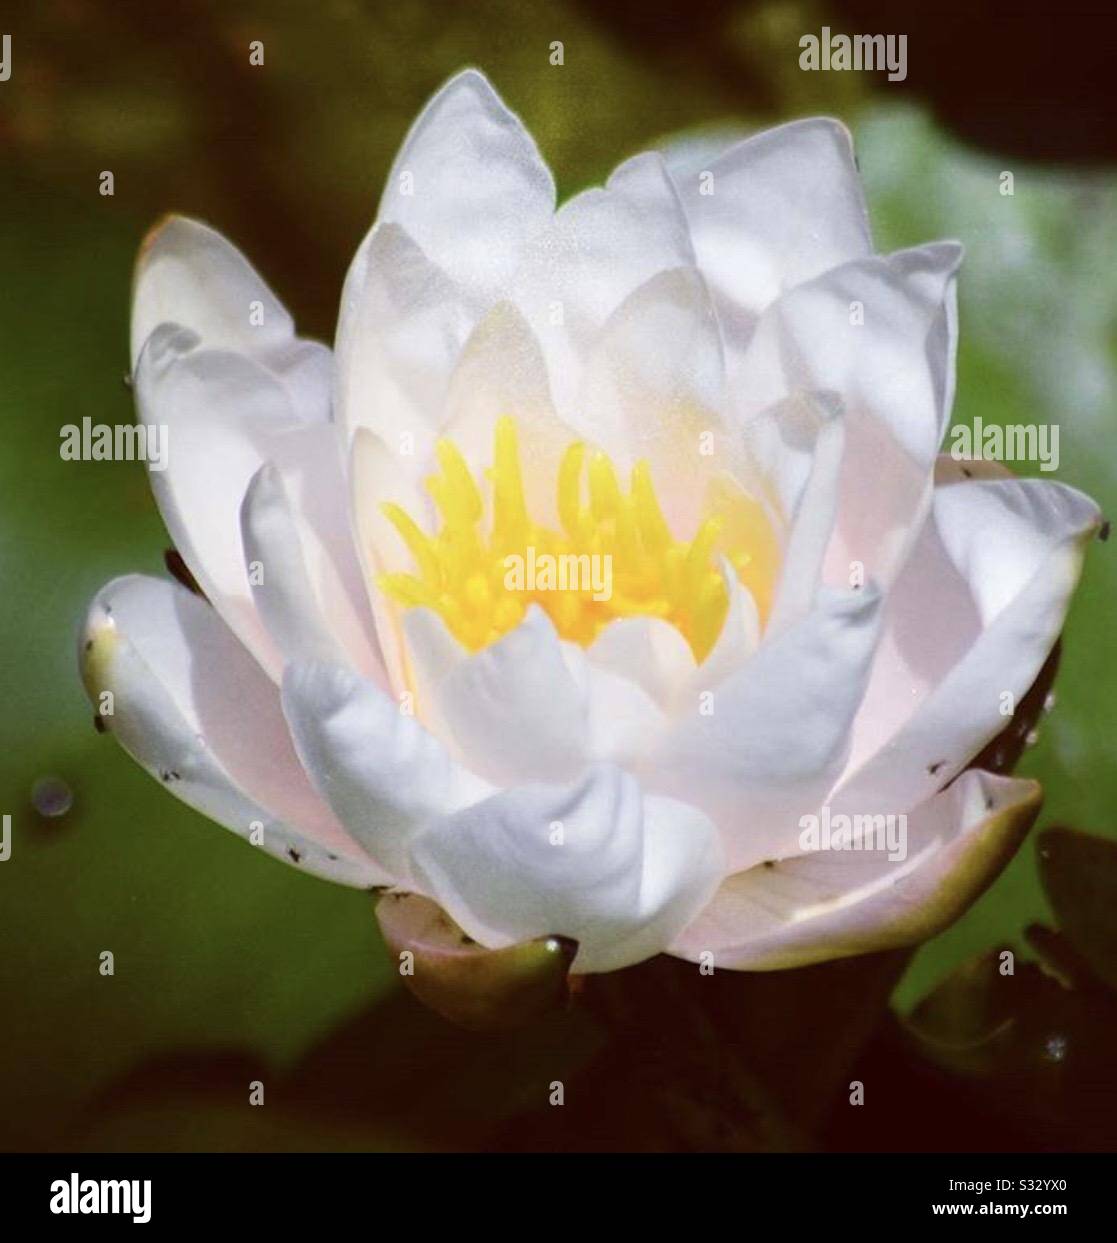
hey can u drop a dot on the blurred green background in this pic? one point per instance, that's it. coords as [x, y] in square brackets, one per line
[217, 947]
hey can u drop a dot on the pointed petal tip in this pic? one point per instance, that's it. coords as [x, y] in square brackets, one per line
[168, 220]
[470, 985]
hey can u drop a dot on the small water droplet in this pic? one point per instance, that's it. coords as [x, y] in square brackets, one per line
[1056, 1048]
[51, 797]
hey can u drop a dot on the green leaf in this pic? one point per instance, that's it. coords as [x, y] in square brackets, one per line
[1079, 873]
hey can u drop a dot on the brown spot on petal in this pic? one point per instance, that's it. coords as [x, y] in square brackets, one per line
[178, 568]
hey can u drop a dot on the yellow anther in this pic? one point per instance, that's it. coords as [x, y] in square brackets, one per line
[407, 589]
[509, 507]
[649, 517]
[570, 490]
[700, 556]
[461, 504]
[417, 543]
[614, 556]
[605, 492]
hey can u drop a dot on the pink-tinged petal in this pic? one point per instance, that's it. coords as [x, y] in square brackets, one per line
[502, 372]
[305, 578]
[382, 773]
[188, 274]
[769, 741]
[654, 390]
[469, 185]
[797, 449]
[923, 266]
[890, 372]
[595, 861]
[1018, 545]
[193, 708]
[930, 622]
[464, 982]
[377, 475]
[278, 574]
[832, 904]
[223, 416]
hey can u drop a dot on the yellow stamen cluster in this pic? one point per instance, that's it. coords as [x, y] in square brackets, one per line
[462, 572]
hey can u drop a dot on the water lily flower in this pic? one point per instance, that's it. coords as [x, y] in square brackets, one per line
[706, 382]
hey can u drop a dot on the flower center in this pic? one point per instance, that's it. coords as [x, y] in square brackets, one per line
[614, 557]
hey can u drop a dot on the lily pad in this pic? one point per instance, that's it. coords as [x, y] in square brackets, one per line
[1079, 874]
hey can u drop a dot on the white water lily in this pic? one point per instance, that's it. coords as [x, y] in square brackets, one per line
[708, 378]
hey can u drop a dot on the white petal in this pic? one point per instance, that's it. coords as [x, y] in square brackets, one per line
[302, 567]
[511, 711]
[432, 654]
[224, 415]
[529, 707]
[930, 622]
[654, 388]
[771, 739]
[377, 475]
[194, 709]
[623, 721]
[282, 591]
[776, 210]
[1019, 545]
[737, 641]
[835, 903]
[469, 186]
[602, 244]
[593, 861]
[890, 373]
[924, 267]
[798, 446]
[996, 532]
[811, 340]
[382, 773]
[188, 274]
[649, 652]
[501, 371]
[402, 325]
